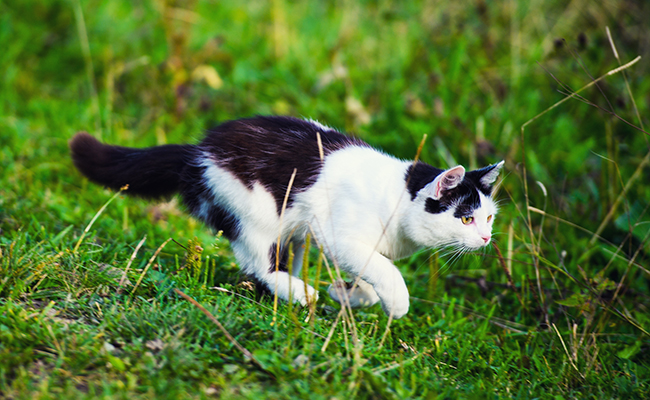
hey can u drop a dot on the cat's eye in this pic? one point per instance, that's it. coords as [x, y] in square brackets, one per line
[489, 218]
[467, 220]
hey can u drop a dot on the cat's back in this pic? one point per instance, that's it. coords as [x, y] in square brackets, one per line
[266, 150]
[266, 138]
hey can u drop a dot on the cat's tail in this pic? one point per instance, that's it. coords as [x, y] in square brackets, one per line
[152, 172]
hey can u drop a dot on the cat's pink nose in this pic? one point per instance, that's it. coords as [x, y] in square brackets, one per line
[486, 238]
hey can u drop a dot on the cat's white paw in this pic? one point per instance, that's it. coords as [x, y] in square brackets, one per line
[289, 287]
[394, 299]
[362, 295]
[299, 295]
[396, 307]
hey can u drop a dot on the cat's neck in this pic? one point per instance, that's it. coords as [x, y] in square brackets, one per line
[401, 247]
[400, 244]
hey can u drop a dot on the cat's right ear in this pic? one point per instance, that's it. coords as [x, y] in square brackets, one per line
[447, 180]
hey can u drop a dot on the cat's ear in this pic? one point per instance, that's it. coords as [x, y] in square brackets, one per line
[447, 180]
[490, 173]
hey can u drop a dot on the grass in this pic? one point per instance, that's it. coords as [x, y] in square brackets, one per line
[558, 310]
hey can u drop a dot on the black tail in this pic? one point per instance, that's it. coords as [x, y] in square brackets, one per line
[151, 172]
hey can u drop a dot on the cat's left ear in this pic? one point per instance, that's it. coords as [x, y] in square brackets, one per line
[447, 180]
[489, 174]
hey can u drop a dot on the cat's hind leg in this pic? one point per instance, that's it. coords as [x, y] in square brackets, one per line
[260, 262]
[298, 255]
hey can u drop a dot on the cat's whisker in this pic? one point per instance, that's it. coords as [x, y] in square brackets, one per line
[456, 255]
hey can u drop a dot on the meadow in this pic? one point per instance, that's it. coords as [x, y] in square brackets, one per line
[103, 295]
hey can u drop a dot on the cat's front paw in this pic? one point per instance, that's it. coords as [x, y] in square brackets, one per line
[394, 299]
[360, 295]
[396, 307]
[299, 295]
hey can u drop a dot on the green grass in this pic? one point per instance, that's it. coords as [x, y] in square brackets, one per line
[571, 321]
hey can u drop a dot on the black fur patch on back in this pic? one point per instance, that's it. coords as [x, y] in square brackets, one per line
[268, 149]
[195, 193]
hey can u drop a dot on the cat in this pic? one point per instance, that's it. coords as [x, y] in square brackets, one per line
[363, 206]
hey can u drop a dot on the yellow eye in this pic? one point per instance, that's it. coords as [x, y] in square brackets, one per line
[489, 218]
[467, 220]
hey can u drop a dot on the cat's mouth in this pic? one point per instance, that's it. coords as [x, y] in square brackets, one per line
[477, 244]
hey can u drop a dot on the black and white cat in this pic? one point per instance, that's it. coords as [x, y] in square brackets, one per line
[364, 207]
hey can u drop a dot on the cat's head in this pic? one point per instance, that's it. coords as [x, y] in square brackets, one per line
[453, 207]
